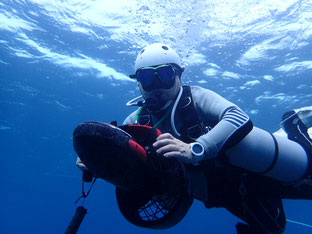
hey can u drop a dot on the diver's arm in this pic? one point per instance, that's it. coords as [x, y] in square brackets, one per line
[170, 147]
[232, 123]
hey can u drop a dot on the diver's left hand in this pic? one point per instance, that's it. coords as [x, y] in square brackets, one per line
[169, 146]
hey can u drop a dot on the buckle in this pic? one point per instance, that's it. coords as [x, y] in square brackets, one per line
[194, 132]
[185, 102]
[144, 119]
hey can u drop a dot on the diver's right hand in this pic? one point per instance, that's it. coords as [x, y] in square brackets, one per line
[170, 147]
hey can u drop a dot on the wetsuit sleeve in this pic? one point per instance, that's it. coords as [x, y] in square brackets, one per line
[230, 124]
[131, 118]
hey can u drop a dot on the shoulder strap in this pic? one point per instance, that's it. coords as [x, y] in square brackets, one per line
[192, 126]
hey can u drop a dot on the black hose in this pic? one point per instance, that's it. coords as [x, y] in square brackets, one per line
[76, 220]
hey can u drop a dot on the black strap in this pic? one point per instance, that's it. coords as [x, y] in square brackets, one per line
[85, 194]
[275, 156]
[192, 126]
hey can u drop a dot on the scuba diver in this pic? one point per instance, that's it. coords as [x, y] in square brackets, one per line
[229, 162]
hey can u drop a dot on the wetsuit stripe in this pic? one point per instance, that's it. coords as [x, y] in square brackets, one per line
[235, 117]
[237, 114]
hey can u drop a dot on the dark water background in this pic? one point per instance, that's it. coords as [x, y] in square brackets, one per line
[62, 63]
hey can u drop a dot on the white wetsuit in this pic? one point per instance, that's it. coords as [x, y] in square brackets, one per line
[231, 132]
[212, 110]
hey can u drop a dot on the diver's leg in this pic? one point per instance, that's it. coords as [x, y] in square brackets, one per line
[298, 126]
[262, 216]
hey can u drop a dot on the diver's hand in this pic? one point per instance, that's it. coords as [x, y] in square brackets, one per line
[169, 146]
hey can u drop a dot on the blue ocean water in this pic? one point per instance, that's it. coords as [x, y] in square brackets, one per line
[65, 62]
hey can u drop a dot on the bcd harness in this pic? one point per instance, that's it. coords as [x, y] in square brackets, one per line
[192, 126]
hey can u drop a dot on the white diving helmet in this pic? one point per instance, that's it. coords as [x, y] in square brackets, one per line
[158, 72]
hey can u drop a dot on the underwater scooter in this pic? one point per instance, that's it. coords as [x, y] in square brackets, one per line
[151, 191]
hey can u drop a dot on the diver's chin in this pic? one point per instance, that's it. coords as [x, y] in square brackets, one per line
[156, 104]
[156, 100]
